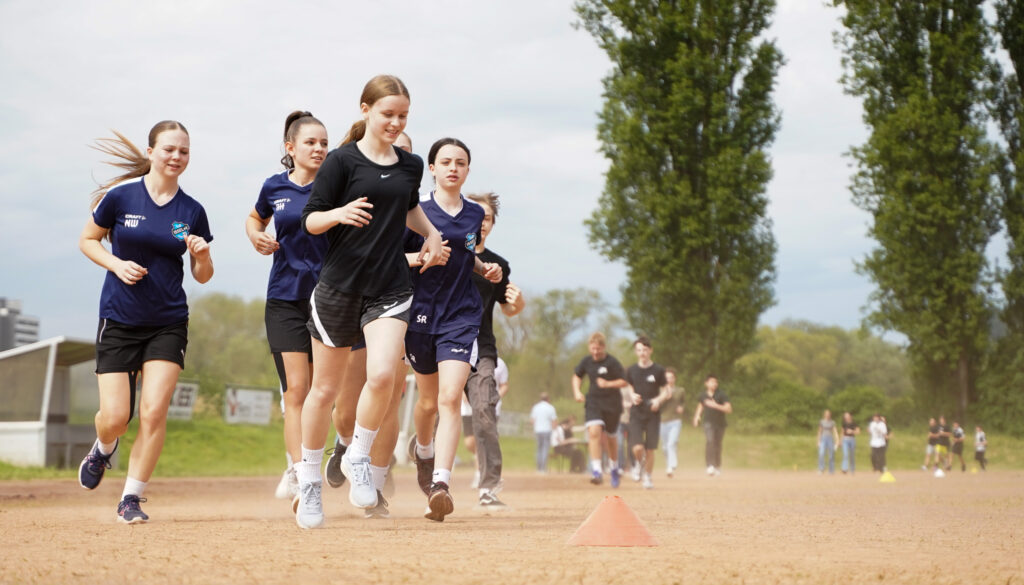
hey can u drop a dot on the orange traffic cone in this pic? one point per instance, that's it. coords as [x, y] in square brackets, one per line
[612, 523]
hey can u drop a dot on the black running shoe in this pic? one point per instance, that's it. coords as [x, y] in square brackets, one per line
[129, 511]
[440, 502]
[90, 472]
[332, 472]
[424, 473]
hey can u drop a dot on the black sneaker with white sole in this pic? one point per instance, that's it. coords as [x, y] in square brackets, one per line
[129, 511]
[90, 472]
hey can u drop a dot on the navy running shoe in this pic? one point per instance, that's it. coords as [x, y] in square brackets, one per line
[90, 472]
[440, 502]
[595, 477]
[616, 475]
[424, 473]
[129, 511]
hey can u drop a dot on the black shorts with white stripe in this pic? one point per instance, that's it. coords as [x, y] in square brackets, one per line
[337, 318]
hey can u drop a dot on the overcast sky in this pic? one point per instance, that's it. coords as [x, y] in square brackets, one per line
[515, 81]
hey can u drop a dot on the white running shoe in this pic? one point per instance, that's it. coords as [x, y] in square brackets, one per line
[711, 470]
[636, 471]
[308, 506]
[476, 479]
[361, 492]
[645, 480]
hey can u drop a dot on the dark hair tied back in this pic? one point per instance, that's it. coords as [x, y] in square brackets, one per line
[292, 124]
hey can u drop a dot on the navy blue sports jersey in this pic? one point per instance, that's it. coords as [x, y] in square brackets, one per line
[647, 382]
[300, 255]
[444, 297]
[367, 260]
[153, 237]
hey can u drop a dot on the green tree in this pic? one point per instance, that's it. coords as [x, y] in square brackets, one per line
[686, 124]
[1002, 401]
[227, 345]
[926, 176]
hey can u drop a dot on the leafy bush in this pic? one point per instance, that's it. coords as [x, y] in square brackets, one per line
[861, 401]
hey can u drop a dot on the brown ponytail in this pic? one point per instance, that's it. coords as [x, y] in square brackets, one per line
[292, 124]
[129, 157]
[379, 87]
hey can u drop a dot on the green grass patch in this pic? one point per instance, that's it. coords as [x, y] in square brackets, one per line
[210, 448]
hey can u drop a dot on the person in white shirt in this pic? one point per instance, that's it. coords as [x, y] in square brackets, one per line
[879, 442]
[543, 417]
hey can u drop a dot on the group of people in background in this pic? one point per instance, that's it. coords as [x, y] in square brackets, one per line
[633, 408]
[363, 285]
[944, 443]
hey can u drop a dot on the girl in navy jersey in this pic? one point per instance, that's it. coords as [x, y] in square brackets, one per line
[365, 194]
[297, 260]
[143, 326]
[444, 322]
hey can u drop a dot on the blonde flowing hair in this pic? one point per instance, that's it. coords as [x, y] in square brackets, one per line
[127, 156]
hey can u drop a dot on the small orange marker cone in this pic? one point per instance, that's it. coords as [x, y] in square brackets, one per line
[612, 523]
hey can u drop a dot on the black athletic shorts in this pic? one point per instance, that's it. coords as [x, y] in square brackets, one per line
[604, 410]
[124, 348]
[337, 318]
[424, 350]
[644, 426]
[958, 448]
[286, 326]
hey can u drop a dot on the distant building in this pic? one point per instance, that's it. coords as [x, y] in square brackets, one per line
[16, 329]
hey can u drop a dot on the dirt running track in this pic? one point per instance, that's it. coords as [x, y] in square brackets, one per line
[743, 527]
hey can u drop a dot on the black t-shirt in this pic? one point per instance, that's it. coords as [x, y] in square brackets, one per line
[367, 260]
[608, 368]
[849, 428]
[712, 416]
[490, 293]
[647, 382]
[943, 438]
[933, 430]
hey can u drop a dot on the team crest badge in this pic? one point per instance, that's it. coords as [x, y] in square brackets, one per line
[179, 230]
[470, 241]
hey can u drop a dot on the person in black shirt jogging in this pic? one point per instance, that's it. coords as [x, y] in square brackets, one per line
[603, 405]
[716, 404]
[365, 194]
[648, 390]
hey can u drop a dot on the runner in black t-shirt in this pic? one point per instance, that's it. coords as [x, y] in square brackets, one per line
[365, 194]
[716, 405]
[648, 390]
[958, 436]
[942, 458]
[603, 405]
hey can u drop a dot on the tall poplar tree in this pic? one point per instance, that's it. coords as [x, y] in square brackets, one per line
[1002, 386]
[927, 176]
[687, 120]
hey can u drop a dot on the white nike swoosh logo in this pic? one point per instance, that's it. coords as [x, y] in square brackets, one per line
[383, 176]
[391, 305]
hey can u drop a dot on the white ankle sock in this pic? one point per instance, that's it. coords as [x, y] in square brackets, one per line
[362, 441]
[442, 475]
[425, 451]
[133, 487]
[308, 470]
[106, 448]
[345, 441]
[595, 465]
[379, 473]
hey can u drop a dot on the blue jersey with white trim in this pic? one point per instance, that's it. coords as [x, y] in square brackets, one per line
[152, 236]
[300, 255]
[444, 297]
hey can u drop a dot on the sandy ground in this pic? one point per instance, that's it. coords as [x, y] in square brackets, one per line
[743, 527]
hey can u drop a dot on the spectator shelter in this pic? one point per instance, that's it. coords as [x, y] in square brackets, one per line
[48, 402]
